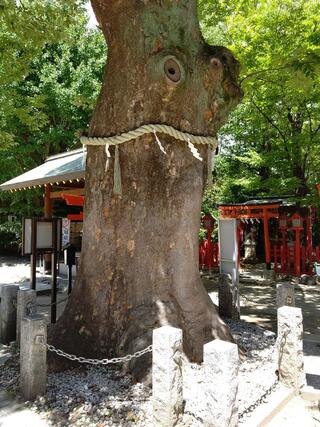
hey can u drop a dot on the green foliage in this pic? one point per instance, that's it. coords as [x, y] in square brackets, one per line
[26, 27]
[10, 237]
[270, 145]
[202, 235]
[48, 92]
[51, 69]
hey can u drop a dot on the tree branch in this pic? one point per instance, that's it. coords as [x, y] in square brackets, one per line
[272, 69]
[316, 130]
[274, 126]
[309, 117]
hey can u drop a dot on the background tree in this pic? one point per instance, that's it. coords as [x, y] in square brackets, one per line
[26, 26]
[270, 146]
[139, 261]
[48, 88]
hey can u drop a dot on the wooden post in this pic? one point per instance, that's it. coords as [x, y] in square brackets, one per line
[239, 242]
[208, 224]
[309, 238]
[48, 211]
[303, 259]
[282, 259]
[209, 253]
[297, 258]
[54, 275]
[33, 254]
[69, 279]
[266, 238]
[47, 202]
[289, 250]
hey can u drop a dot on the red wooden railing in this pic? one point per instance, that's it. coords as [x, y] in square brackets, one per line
[208, 255]
[285, 259]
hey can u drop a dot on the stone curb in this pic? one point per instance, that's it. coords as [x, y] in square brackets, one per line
[311, 338]
[310, 394]
[267, 411]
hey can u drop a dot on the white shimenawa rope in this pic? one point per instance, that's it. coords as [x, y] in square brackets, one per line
[143, 130]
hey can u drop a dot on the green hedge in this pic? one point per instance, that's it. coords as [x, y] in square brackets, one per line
[10, 237]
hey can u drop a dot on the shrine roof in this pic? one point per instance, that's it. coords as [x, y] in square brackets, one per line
[66, 166]
[257, 202]
[281, 201]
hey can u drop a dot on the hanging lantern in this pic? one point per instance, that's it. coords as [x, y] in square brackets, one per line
[208, 222]
[283, 223]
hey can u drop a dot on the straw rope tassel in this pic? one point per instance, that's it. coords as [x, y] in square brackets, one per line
[116, 140]
[84, 156]
[117, 186]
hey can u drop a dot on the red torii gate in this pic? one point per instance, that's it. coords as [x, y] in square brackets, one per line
[255, 211]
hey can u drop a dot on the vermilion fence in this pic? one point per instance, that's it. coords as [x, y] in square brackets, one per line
[208, 255]
[287, 260]
[284, 258]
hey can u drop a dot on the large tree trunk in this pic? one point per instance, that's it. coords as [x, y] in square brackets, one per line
[139, 261]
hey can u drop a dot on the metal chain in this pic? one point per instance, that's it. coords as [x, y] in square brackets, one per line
[248, 299]
[81, 359]
[194, 416]
[258, 402]
[54, 303]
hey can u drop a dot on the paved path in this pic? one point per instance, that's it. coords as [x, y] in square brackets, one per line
[14, 414]
[17, 271]
[295, 414]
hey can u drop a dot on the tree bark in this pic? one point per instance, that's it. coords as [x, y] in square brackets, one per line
[139, 263]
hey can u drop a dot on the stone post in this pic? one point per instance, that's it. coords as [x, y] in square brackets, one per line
[290, 347]
[26, 306]
[167, 376]
[8, 317]
[33, 356]
[285, 294]
[228, 298]
[221, 364]
[268, 275]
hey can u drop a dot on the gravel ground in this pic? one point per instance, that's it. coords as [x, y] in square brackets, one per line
[101, 396]
[257, 373]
